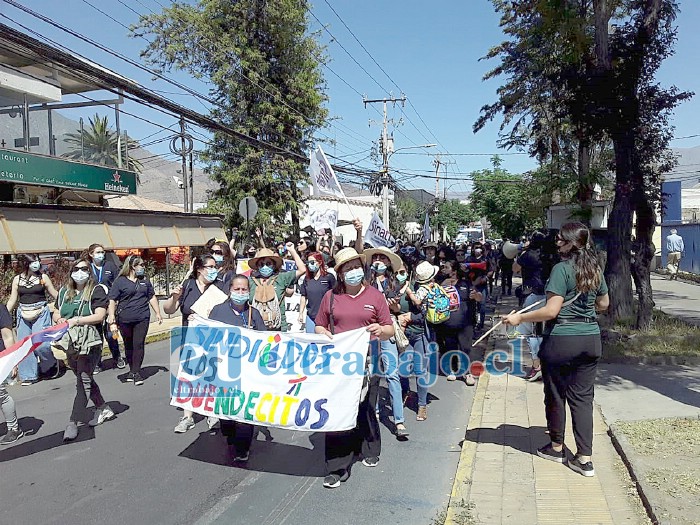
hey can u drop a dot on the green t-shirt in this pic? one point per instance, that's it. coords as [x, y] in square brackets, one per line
[562, 282]
[283, 280]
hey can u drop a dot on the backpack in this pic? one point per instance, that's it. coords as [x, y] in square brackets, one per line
[267, 303]
[438, 305]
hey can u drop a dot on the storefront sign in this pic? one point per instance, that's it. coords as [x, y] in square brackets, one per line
[42, 170]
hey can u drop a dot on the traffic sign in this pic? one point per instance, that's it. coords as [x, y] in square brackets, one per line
[248, 208]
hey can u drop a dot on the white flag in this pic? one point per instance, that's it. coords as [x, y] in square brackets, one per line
[323, 219]
[425, 237]
[322, 174]
[379, 235]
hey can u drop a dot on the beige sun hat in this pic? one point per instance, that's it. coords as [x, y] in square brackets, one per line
[395, 260]
[346, 255]
[425, 272]
[265, 253]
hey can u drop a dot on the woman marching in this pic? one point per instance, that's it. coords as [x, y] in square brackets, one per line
[83, 304]
[238, 312]
[316, 283]
[225, 262]
[354, 304]
[382, 263]
[105, 272]
[129, 299]
[204, 273]
[571, 346]
[29, 289]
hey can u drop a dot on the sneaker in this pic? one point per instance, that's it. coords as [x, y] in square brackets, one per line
[371, 461]
[11, 436]
[469, 380]
[29, 382]
[401, 431]
[97, 370]
[332, 481]
[212, 422]
[184, 425]
[535, 374]
[121, 364]
[138, 380]
[102, 415]
[130, 377]
[241, 457]
[585, 469]
[547, 452]
[71, 431]
[451, 377]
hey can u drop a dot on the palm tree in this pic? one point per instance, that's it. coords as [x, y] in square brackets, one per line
[98, 145]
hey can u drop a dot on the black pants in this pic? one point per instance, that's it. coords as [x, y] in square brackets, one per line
[85, 385]
[569, 365]
[134, 335]
[112, 343]
[450, 339]
[364, 439]
[239, 435]
[506, 281]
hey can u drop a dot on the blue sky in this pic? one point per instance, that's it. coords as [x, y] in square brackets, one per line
[430, 50]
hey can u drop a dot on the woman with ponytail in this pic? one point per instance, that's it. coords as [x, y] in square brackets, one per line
[571, 346]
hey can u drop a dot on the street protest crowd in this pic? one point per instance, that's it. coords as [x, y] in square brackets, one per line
[415, 301]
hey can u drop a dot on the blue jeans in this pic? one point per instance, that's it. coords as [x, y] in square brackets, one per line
[528, 329]
[418, 360]
[390, 365]
[29, 367]
[310, 325]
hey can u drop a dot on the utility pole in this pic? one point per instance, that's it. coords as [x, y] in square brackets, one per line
[437, 163]
[184, 164]
[186, 147]
[385, 154]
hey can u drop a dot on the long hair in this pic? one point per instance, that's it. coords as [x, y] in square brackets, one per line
[321, 265]
[87, 253]
[582, 255]
[229, 257]
[23, 262]
[129, 263]
[71, 289]
[199, 262]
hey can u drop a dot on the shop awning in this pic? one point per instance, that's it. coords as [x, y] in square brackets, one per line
[43, 228]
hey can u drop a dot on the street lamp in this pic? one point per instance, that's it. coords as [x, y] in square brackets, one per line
[385, 175]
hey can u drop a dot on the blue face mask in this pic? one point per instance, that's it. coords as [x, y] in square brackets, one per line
[212, 273]
[219, 259]
[266, 271]
[401, 277]
[379, 267]
[313, 267]
[98, 257]
[239, 298]
[140, 271]
[35, 266]
[354, 277]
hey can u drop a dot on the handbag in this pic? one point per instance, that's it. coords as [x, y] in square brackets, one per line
[31, 314]
[399, 335]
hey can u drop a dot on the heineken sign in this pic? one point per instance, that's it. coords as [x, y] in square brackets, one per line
[41, 170]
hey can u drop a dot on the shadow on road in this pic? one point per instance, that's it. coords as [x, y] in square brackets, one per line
[524, 439]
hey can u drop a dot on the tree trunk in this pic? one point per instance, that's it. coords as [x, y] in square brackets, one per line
[642, 260]
[585, 189]
[295, 207]
[617, 270]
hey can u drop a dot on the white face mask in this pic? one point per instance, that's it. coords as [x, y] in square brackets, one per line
[35, 266]
[80, 277]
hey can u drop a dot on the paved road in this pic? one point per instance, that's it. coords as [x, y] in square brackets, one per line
[136, 470]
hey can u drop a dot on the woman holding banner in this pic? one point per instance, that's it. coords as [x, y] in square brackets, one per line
[238, 312]
[354, 304]
[382, 264]
[314, 286]
[204, 273]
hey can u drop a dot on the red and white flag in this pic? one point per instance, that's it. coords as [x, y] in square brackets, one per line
[10, 357]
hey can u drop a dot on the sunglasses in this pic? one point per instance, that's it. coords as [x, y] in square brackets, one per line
[140, 264]
[267, 263]
[217, 252]
[407, 250]
[83, 269]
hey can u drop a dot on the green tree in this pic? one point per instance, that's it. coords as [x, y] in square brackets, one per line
[99, 144]
[263, 66]
[404, 210]
[451, 214]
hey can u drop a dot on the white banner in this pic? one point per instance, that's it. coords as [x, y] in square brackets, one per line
[287, 380]
[323, 219]
[322, 174]
[378, 235]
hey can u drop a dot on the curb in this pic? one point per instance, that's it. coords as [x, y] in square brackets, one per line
[625, 451]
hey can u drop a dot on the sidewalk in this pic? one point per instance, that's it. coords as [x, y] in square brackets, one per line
[501, 480]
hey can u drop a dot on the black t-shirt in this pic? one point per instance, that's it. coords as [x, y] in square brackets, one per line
[224, 313]
[133, 299]
[314, 290]
[464, 316]
[223, 281]
[105, 274]
[5, 322]
[69, 309]
[531, 266]
[189, 296]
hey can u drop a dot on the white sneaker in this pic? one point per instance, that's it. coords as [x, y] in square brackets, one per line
[184, 425]
[212, 422]
[101, 415]
[451, 377]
